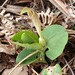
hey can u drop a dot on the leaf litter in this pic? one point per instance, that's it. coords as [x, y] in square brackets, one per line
[11, 22]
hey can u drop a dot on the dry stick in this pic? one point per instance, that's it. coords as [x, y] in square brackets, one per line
[70, 32]
[64, 2]
[4, 3]
[51, 21]
[34, 71]
[1, 7]
[69, 63]
[10, 11]
[71, 5]
[61, 6]
[69, 67]
[23, 16]
[42, 5]
[15, 8]
[23, 61]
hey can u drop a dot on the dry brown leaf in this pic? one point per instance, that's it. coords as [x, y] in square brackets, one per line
[63, 8]
[8, 49]
[15, 8]
[23, 1]
[19, 71]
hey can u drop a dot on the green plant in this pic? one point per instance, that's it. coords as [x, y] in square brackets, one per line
[53, 38]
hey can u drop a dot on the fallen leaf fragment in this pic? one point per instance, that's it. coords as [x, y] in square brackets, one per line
[21, 70]
[8, 49]
[23, 1]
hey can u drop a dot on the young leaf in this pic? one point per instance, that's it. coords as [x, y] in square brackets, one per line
[25, 36]
[17, 36]
[56, 38]
[29, 37]
[25, 53]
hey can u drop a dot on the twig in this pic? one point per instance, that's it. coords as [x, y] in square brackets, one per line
[68, 63]
[15, 8]
[22, 61]
[4, 3]
[71, 5]
[42, 5]
[10, 11]
[23, 16]
[34, 71]
[61, 6]
[70, 32]
[51, 20]
[69, 67]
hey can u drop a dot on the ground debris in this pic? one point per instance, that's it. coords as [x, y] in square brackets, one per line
[19, 71]
[11, 22]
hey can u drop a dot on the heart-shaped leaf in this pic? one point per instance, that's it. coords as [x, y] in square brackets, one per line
[25, 53]
[29, 37]
[56, 38]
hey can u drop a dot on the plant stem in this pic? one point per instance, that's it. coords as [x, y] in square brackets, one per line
[22, 61]
[43, 54]
[43, 57]
[29, 46]
[4, 3]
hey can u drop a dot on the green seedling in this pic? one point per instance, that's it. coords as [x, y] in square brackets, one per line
[53, 38]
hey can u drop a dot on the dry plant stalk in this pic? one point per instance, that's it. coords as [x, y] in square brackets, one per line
[63, 8]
